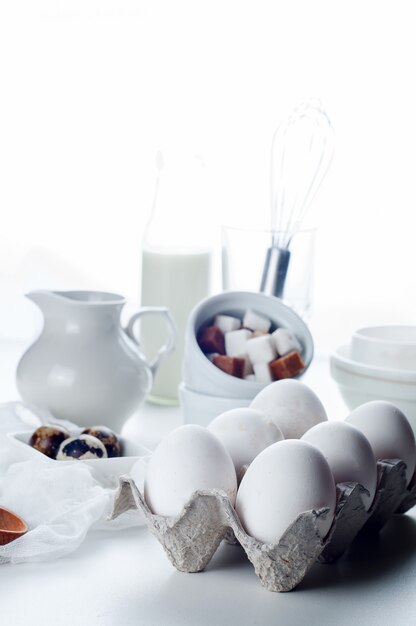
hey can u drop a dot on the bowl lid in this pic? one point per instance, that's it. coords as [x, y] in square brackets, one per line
[397, 335]
[341, 358]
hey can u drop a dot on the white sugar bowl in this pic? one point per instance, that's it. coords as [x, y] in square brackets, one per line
[203, 380]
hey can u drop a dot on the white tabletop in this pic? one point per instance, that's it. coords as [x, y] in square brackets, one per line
[124, 577]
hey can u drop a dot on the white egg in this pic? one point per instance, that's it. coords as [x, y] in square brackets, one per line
[188, 459]
[245, 433]
[348, 453]
[293, 407]
[286, 479]
[388, 431]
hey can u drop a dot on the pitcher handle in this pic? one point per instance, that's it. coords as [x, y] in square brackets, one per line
[168, 347]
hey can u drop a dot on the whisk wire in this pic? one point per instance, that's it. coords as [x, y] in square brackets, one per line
[289, 209]
[297, 171]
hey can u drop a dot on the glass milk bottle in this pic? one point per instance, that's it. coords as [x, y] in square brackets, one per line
[176, 263]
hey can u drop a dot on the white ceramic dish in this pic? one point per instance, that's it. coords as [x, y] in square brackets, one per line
[199, 408]
[385, 346]
[202, 376]
[359, 383]
[115, 466]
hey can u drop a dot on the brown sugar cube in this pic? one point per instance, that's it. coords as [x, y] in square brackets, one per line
[211, 339]
[258, 333]
[287, 366]
[230, 365]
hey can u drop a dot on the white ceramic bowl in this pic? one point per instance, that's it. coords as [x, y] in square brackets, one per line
[202, 376]
[103, 468]
[359, 383]
[385, 346]
[199, 408]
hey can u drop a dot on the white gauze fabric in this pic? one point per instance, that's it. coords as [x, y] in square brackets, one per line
[60, 503]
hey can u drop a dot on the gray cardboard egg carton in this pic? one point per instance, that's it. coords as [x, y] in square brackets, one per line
[191, 538]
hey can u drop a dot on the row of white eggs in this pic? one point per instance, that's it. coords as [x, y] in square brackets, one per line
[286, 454]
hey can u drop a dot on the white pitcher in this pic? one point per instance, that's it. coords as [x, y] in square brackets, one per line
[85, 367]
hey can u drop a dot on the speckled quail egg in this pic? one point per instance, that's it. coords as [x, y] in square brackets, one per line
[48, 438]
[292, 406]
[286, 479]
[188, 459]
[388, 431]
[107, 437]
[348, 453]
[81, 448]
[245, 433]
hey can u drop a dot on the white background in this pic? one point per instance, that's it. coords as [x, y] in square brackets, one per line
[90, 89]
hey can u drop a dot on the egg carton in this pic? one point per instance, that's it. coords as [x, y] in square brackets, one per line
[191, 538]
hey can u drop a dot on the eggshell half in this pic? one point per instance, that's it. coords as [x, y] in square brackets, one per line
[286, 479]
[349, 454]
[245, 433]
[188, 459]
[292, 405]
[388, 431]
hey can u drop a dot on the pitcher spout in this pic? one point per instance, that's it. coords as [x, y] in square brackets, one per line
[87, 304]
[42, 298]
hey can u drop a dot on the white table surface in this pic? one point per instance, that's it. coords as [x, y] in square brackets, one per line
[124, 578]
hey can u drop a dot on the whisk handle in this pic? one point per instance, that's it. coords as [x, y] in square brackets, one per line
[275, 271]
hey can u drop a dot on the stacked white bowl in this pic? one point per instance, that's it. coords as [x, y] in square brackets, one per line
[207, 391]
[378, 364]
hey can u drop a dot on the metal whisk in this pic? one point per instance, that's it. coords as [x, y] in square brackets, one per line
[302, 151]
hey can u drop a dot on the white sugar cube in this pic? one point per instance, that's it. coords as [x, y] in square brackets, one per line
[251, 377]
[255, 321]
[227, 323]
[285, 341]
[262, 373]
[261, 349]
[236, 342]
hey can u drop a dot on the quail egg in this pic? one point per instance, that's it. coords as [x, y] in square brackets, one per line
[107, 437]
[81, 448]
[48, 438]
